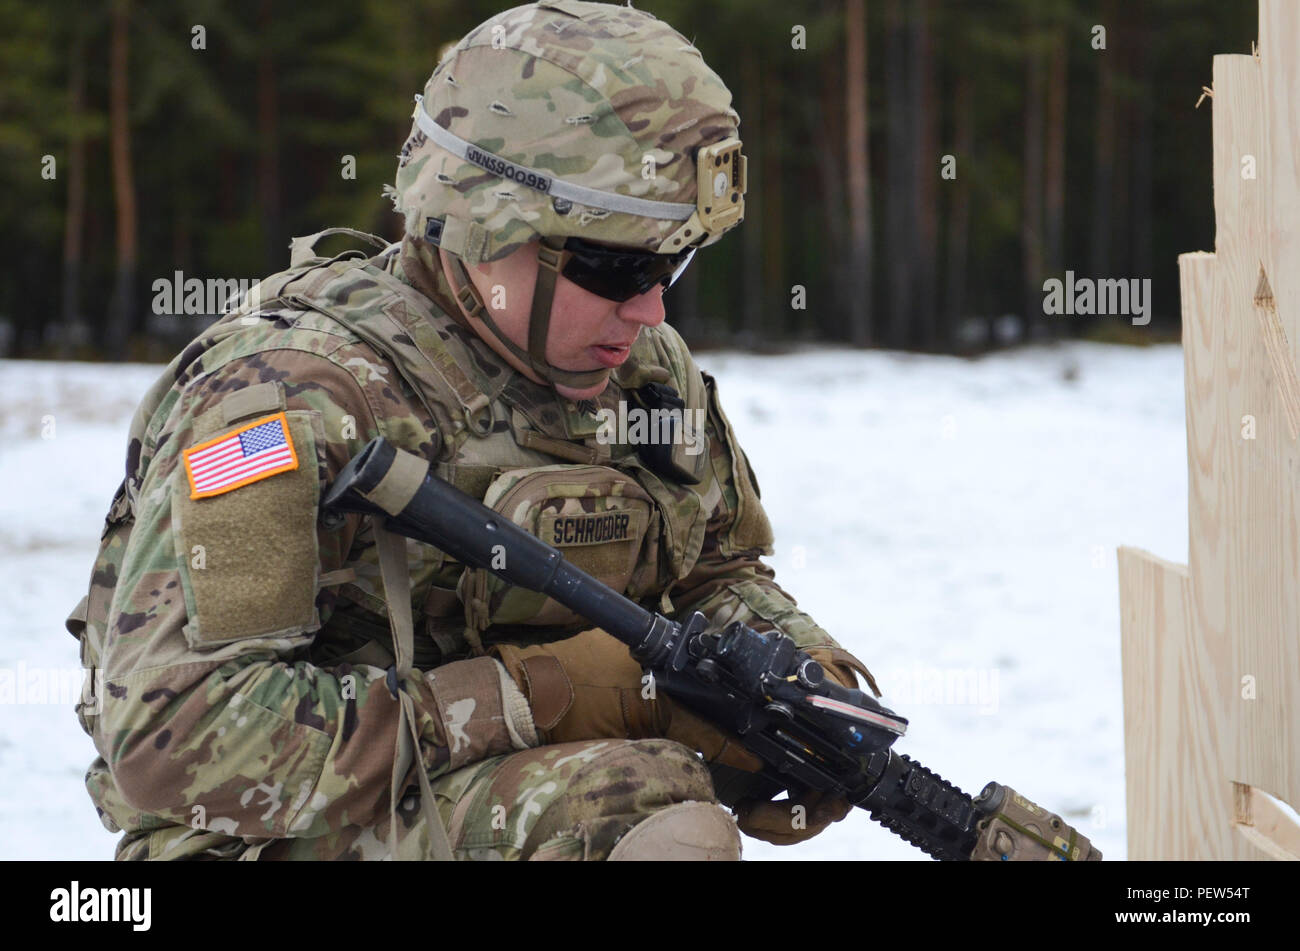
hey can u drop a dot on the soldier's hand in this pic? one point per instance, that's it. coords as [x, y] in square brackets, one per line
[717, 746]
[840, 666]
[791, 820]
[588, 687]
[787, 821]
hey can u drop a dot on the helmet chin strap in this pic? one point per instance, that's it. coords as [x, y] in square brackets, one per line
[550, 259]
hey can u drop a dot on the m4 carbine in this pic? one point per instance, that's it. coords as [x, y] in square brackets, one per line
[810, 732]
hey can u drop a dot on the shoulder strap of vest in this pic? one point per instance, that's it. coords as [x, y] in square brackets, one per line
[391, 317]
[392, 326]
[303, 250]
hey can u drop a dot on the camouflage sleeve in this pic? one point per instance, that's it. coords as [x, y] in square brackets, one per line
[729, 582]
[211, 716]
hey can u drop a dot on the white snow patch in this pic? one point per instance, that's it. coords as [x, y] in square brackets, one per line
[951, 522]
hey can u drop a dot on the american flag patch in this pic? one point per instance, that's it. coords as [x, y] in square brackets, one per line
[253, 452]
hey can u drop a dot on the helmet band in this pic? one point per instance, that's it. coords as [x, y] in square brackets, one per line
[543, 182]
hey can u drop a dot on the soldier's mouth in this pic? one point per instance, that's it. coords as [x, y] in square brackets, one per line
[610, 356]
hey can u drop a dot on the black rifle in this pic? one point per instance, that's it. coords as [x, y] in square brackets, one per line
[810, 732]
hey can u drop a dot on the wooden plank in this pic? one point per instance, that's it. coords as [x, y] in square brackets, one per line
[1153, 612]
[1211, 652]
[1179, 804]
[1262, 822]
[1278, 345]
[1279, 41]
[1213, 332]
[1267, 755]
[1243, 579]
[1211, 362]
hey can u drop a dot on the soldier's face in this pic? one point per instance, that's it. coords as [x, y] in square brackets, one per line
[587, 332]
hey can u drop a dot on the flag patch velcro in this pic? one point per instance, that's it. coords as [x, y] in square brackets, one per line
[254, 451]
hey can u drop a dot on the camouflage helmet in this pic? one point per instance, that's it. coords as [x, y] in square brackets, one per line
[568, 119]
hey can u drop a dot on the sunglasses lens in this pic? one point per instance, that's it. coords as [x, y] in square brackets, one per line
[618, 274]
[677, 271]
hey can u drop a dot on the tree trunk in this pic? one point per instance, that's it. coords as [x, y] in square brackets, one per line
[1143, 148]
[837, 264]
[73, 324]
[774, 226]
[1054, 204]
[1121, 182]
[858, 160]
[899, 171]
[268, 147]
[751, 236]
[925, 176]
[959, 210]
[1104, 150]
[1031, 211]
[1142, 204]
[122, 309]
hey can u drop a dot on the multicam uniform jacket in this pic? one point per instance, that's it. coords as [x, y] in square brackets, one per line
[241, 636]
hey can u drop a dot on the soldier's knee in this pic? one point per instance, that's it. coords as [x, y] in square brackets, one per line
[685, 832]
[674, 815]
[640, 776]
[614, 792]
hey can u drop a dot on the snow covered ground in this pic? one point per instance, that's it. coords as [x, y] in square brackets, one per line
[951, 522]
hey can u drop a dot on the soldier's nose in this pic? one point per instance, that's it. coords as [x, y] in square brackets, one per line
[647, 308]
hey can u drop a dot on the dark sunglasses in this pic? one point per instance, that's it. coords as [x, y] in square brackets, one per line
[619, 274]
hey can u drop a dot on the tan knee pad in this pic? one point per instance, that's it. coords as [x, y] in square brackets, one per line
[685, 832]
[614, 791]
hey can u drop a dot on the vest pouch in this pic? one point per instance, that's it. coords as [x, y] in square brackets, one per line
[600, 519]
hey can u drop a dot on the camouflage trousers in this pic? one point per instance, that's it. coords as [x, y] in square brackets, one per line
[566, 802]
[571, 801]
